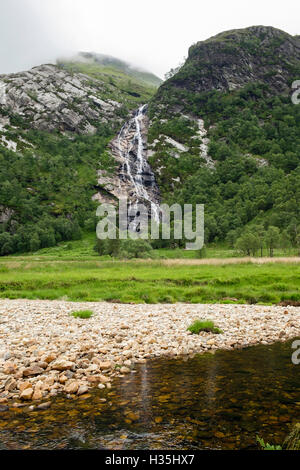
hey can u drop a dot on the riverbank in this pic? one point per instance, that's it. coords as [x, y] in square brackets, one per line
[44, 351]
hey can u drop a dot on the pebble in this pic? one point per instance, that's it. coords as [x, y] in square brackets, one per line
[31, 371]
[82, 390]
[54, 353]
[44, 406]
[62, 365]
[10, 384]
[26, 394]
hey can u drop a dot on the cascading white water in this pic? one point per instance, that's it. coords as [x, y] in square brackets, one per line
[136, 168]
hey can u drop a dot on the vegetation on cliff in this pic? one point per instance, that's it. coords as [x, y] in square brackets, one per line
[55, 124]
[252, 127]
[223, 132]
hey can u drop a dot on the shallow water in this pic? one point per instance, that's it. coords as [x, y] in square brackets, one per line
[219, 401]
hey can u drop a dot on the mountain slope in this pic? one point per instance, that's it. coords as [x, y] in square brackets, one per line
[234, 58]
[54, 129]
[49, 99]
[133, 85]
[109, 63]
[224, 132]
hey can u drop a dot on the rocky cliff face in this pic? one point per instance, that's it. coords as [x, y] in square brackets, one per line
[232, 59]
[134, 178]
[183, 113]
[52, 99]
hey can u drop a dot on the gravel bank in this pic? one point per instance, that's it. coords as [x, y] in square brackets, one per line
[45, 351]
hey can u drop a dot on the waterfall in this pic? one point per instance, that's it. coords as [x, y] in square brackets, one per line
[135, 169]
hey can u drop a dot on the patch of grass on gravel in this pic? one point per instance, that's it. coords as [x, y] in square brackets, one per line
[82, 314]
[204, 325]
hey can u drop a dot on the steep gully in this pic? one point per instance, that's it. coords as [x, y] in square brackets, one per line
[135, 168]
[134, 179]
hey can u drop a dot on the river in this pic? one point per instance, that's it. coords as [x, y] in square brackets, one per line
[220, 401]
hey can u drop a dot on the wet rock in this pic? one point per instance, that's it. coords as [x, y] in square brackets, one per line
[133, 416]
[82, 390]
[44, 406]
[26, 394]
[72, 387]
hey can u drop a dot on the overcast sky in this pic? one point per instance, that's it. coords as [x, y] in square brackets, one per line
[154, 34]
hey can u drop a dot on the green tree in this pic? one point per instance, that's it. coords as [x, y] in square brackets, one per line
[285, 241]
[34, 243]
[135, 249]
[248, 243]
[6, 244]
[272, 239]
[261, 235]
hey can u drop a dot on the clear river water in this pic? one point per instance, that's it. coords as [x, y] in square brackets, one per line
[213, 401]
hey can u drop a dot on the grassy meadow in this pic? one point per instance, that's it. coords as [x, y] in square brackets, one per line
[147, 281]
[74, 271]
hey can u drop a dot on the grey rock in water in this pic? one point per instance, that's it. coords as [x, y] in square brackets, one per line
[44, 406]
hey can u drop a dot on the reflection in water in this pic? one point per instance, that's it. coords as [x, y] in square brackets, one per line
[146, 399]
[219, 401]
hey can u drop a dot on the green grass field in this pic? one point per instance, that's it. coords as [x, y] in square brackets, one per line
[147, 281]
[74, 271]
[84, 250]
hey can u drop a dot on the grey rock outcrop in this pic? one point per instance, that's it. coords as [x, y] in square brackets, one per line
[53, 99]
[234, 58]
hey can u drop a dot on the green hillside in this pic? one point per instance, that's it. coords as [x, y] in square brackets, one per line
[125, 84]
[239, 84]
[55, 125]
[112, 63]
[223, 132]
